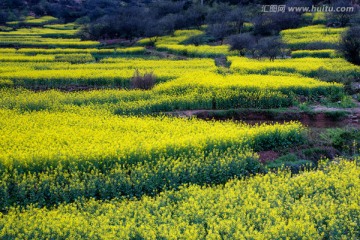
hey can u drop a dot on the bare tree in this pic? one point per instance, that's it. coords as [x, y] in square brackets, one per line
[243, 43]
[271, 47]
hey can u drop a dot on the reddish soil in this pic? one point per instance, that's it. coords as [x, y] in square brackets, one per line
[314, 153]
[268, 156]
[318, 118]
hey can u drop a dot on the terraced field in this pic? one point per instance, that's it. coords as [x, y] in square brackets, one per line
[111, 162]
[274, 205]
[302, 38]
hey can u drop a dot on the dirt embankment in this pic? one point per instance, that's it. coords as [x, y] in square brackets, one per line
[318, 116]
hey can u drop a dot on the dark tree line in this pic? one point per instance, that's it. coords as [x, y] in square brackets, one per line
[172, 13]
[249, 45]
[106, 19]
[139, 20]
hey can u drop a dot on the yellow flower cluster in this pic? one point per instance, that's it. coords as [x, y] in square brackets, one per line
[322, 204]
[109, 72]
[197, 89]
[196, 51]
[300, 38]
[87, 155]
[38, 54]
[285, 84]
[50, 157]
[59, 36]
[23, 41]
[40, 139]
[175, 44]
[67, 26]
[176, 38]
[14, 57]
[43, 32]
[306, 66]
[30, 20]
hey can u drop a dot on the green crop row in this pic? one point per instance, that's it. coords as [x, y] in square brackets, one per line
[325, 53]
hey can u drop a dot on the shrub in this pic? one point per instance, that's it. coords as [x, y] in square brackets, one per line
[145, 81]
[337, 115]
[340, 19]
[198, 40]
[219, 31]
[272, 24]
[242, 43]
[350, 45]
[316, 154]
[345, 140]
[271, 47]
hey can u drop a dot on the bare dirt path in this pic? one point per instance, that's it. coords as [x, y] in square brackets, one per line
[354, 113]
[354, 110]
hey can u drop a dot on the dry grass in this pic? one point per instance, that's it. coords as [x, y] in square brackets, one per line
[144, 81]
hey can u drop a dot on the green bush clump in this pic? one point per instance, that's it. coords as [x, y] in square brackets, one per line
[346, 140]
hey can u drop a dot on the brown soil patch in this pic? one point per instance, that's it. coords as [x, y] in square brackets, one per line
[267, 156]
[317, 118]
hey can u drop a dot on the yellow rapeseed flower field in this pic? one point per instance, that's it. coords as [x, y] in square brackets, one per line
[313, 205]
[111, 163]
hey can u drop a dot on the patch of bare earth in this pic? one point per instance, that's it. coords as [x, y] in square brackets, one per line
[320, 116]
[267, 156]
